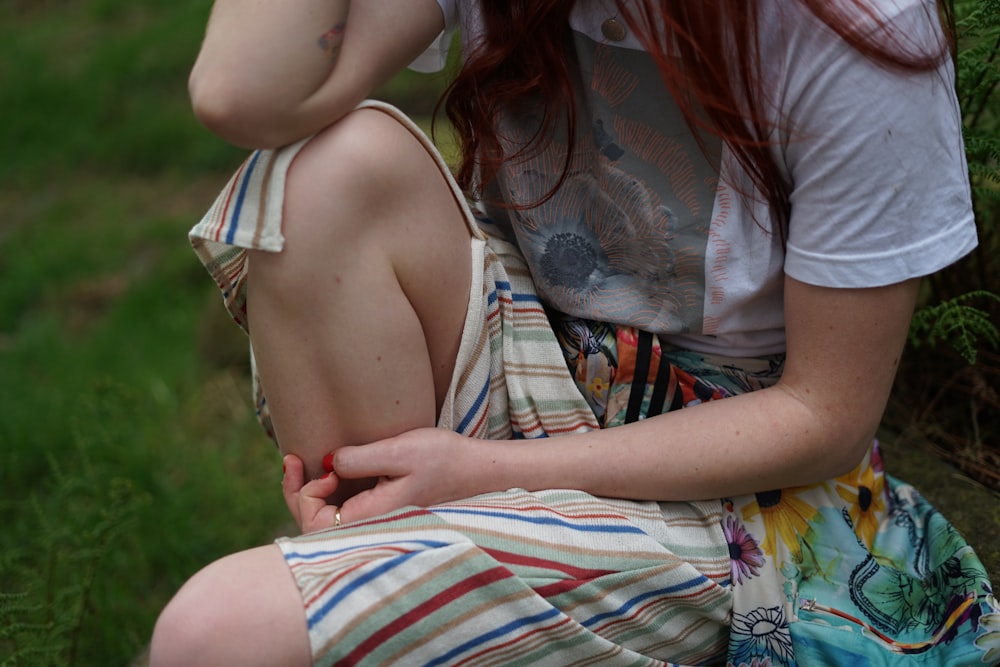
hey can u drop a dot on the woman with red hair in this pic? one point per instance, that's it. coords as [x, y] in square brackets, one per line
[499, 394]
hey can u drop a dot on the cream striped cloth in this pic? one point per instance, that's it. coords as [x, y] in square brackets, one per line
[510, 378]
[548, 578]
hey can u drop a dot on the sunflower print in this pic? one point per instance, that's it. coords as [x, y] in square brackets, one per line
[786, 517]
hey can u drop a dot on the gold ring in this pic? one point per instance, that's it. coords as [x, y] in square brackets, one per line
[336, 518]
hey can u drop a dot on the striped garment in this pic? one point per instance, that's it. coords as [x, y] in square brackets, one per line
[547, 578]
[456, 584]
[850, 571]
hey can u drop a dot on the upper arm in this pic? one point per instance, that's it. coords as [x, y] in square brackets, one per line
[880, 197]
[262, 79]
[844, 346]
[874, 154]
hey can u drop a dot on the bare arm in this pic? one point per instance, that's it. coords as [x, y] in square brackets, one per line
[815, 424]
[271, 72]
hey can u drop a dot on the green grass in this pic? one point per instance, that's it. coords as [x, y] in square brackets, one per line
[101, 85]
[106, 391]
[129, 454]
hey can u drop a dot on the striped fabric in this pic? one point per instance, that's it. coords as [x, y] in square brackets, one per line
[548, 578]
[551, 578]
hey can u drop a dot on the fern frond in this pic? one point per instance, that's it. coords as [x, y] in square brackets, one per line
[966, 328]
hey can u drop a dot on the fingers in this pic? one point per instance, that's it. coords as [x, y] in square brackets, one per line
[291, 484]
[307, 502]
[371, 503]
[314, 511]
[383, 458]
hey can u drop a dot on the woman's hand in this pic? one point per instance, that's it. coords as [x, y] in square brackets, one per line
[422, 467]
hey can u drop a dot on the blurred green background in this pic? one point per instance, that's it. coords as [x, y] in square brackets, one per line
[129, 455]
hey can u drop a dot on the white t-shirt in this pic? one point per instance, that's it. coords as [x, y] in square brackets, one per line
[644, 232]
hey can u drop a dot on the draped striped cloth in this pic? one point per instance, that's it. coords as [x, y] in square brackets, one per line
[547, 578]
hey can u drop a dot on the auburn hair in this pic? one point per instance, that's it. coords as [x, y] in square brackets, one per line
[523, 58]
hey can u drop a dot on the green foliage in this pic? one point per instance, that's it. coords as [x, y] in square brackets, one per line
[107, 400]
[45, 620]
[947, 315]
[979, 80]
[966, 328]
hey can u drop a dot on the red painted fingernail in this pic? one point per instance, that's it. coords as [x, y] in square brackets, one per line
[328, 463]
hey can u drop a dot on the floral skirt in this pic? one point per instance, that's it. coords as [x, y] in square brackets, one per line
[857, 570]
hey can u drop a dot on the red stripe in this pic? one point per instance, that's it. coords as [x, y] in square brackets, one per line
[425, 609]
[568, 429]
[510, 558]
[482, 419]
[392, 518]
[536, 425]
[560, 587]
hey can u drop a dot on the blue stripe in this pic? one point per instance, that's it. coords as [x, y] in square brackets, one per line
[356, 584]
[392, 543]
[476, 642]
[627, 606]
[528, 298]
[543, 521]
[492, 298]
[470, 415]
[238, 207]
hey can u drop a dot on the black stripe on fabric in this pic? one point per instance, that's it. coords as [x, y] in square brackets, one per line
[643, 355]
[660, 387]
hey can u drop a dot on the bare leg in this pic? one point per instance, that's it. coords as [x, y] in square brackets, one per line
[356, 324]
[243, 610]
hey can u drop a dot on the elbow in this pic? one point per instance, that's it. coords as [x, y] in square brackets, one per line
[846, 444]
[835, 437]
[242, 115]
[848, 453]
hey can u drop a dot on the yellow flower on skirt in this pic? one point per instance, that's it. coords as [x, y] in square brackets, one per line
[598, 386]
[864, 492]
[785, 515]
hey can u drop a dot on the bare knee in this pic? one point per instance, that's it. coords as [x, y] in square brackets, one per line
[244, 609]
[363, 186]
[360, 174]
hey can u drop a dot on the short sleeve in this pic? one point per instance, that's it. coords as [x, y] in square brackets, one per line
[433, 59]
[880, 189]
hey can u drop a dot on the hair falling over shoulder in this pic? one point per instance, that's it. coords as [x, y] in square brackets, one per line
[707, 55]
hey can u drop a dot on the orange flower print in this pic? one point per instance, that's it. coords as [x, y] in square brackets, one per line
[786, 516]
[864, 493]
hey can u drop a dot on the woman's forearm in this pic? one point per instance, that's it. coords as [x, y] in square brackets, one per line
[755, 442]
[815, 424]
[260, 57]
[271, 72]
